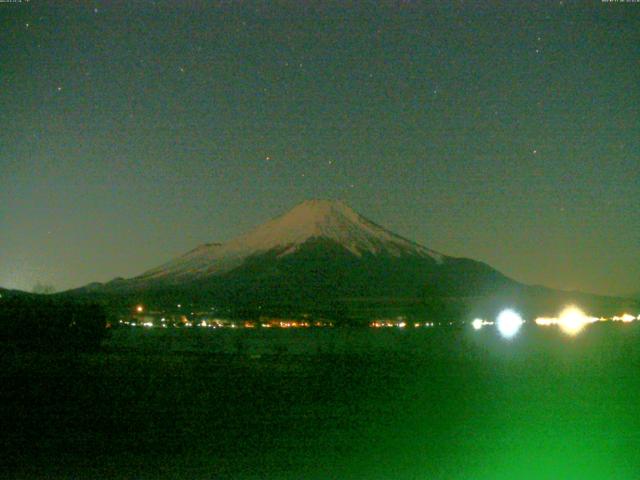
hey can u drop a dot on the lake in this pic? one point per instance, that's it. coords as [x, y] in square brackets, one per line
[342, 403]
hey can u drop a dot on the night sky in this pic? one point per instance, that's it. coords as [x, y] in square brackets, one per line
[134, 131]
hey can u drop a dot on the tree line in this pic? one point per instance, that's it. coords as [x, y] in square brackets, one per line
[47, 323]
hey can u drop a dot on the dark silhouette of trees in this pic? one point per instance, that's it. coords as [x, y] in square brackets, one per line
[51, 324]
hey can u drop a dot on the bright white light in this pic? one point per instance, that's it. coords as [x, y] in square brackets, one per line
[477, 324]
[546, 321]
[626, 318]
[572, 320]
[509, 322]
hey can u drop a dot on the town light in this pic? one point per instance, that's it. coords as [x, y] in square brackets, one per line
[572, 320]
[477, 324]
[509, 322]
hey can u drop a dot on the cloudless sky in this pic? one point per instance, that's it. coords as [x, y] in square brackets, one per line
[508, 132]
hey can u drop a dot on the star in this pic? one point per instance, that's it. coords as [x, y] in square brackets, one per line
[535, 152]
[95, 10]
[27, 25]
[181, 69]
[59, 88]
[267, 158]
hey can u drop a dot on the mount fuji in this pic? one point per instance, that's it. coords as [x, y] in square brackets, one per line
[317, 252]
[309, 222]
[323, 258]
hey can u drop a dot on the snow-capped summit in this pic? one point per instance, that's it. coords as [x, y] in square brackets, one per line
[312, 219]
[332, 220]
[318, 253]
[323, 257]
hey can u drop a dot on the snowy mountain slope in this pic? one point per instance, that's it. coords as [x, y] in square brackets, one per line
[316, 253]
[313, 219]
[323, 257]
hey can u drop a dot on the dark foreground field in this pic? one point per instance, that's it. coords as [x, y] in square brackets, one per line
[343, 404]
